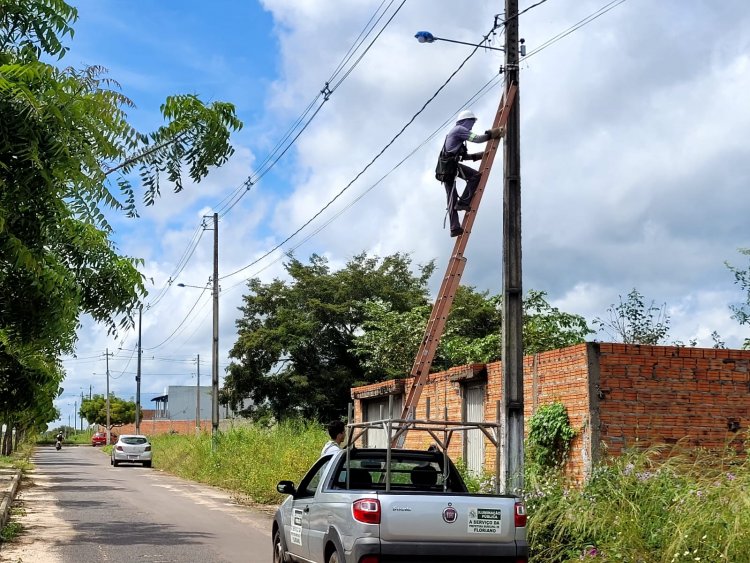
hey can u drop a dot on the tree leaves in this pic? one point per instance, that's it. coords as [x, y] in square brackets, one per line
[67, 151]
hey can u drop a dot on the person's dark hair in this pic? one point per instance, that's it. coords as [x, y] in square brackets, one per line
[335, 427]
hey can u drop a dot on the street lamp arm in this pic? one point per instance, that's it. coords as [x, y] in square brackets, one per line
[427, 37]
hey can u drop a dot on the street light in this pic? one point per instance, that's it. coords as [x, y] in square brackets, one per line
[214, 354]
[427, 37]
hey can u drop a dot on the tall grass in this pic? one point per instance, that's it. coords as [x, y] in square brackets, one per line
[249, 460]
[646, 508]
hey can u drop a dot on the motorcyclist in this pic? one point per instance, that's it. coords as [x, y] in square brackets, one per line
[59, 437]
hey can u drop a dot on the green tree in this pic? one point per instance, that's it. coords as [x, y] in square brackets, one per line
[294, 351]
[94, 410]
[67, 153]
[632, 321]
[390, 340]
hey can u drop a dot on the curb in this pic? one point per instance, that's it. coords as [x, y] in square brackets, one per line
[9, 494]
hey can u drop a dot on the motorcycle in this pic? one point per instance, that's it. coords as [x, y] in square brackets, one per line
[58, 444]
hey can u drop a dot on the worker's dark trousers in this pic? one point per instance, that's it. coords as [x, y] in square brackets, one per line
[472, 181]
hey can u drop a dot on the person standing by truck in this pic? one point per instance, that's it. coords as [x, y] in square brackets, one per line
[336, 432]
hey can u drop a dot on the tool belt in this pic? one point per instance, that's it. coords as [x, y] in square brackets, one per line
[447, 164]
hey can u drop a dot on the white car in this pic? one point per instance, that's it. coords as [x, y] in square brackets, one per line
[131, 448]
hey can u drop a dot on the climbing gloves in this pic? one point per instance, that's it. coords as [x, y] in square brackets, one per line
[495, 133]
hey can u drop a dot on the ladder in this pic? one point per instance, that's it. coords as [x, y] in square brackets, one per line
[420, 371]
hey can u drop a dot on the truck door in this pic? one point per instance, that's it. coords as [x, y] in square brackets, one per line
[298, 540]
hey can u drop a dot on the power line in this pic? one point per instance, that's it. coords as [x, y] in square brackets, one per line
[174, 332]
[575, 27]
[372, 161]
[326, 92]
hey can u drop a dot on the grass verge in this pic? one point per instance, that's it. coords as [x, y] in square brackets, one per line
[249, 460]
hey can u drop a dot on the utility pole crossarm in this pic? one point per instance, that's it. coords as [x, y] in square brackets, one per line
[423, 362]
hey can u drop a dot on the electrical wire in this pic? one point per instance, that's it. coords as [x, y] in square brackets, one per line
[575, 27]
[480, 93]
[174, 332]
[278, 152]
[488, 86]
[181, 265]
[123, 369]
[372, 161]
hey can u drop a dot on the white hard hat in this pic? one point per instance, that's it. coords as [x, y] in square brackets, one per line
[466, 114]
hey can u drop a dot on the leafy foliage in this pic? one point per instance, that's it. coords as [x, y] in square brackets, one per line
[472, 334]
[95, 410]
[67, 152]
[295, 339]
[634, 322]
[549, 438]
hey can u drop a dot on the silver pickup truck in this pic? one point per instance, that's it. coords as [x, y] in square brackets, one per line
[394, 506]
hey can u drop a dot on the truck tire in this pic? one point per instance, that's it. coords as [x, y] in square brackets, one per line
[279, 554]
[334, 557]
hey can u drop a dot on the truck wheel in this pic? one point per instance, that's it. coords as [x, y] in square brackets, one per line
[334, 557]
[279, 555]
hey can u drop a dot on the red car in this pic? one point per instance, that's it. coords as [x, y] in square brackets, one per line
[100, 439]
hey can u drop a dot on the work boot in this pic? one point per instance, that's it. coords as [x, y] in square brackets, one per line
[456, 232]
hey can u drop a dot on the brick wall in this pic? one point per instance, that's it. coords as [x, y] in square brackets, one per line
[617, 396]
[559, 375]
[662, 394]
[161, 426]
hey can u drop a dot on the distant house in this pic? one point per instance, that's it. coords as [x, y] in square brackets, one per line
[175, 411]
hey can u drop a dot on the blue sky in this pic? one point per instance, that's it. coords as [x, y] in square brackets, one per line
[634, 155]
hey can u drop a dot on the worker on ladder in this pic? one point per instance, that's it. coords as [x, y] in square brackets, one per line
[449, 165]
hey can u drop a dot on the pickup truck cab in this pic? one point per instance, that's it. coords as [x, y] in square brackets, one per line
[394, 506]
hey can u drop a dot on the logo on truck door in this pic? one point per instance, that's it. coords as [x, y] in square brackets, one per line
[295, 534]
[450, 514]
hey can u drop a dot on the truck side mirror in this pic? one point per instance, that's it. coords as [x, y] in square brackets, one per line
[286, 488]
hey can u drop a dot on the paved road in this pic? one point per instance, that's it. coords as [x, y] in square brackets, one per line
[79, 509]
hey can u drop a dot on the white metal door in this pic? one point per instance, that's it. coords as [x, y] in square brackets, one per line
[378, 410]
[474, 448]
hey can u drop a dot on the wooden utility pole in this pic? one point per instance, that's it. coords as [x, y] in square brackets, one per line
[511, 475]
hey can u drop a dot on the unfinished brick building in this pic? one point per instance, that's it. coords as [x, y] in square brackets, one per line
[617, 396]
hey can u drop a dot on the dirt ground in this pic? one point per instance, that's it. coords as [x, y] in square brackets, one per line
[35, 509]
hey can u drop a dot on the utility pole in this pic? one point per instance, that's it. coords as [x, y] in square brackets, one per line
[108, 424]
[511, 477]
[138, 377]
[198, 396]
[75, 417]
[81, 414]
[215, 343]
